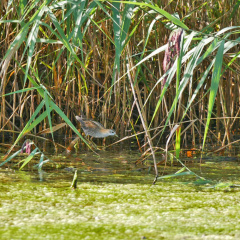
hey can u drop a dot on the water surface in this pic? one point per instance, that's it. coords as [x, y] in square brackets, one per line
[115, 199]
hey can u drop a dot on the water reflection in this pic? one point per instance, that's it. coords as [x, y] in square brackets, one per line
[120, 167]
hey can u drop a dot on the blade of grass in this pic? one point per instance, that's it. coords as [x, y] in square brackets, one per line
[46, 98]
[117, 32]
[65, 118]
[214, 87]
[186, 78]
[21, 91]
[29, 158]
[21, 134]
[11, 157]
[178, 142]
[160, 11]
[177, 174]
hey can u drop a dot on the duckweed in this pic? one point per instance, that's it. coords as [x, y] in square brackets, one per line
[167, 210]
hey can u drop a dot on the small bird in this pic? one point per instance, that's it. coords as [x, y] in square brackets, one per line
[94, 129]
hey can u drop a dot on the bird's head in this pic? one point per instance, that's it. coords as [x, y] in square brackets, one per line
[112, 132]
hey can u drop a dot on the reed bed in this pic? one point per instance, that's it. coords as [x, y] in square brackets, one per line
[62, 57]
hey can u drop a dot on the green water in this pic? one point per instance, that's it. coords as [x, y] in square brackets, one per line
[115, 199]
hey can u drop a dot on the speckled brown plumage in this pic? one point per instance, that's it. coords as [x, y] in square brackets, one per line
[94, 129]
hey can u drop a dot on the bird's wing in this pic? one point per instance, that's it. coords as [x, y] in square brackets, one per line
[98, 124]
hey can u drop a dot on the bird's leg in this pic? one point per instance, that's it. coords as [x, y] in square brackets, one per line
[92, 144]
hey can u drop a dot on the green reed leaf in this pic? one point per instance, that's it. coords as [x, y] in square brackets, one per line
[214, 86]
[29, 158]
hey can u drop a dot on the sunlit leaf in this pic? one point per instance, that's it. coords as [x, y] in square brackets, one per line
[177, 174]
[214, 87]
[29, 158]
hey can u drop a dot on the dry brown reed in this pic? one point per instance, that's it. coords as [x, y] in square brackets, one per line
[102, 92]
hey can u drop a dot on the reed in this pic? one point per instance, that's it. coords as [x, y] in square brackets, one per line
[62, 57]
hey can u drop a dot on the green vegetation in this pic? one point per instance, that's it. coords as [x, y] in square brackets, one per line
[106, 58]
[104, 209]
[148, 69]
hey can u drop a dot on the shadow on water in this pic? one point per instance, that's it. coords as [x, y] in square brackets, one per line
[114, 166]
[108, 166]
[121, 164]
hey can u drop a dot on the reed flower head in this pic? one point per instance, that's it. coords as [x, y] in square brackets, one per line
[172, 51]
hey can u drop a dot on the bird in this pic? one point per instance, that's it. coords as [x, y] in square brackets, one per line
[94, 129]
